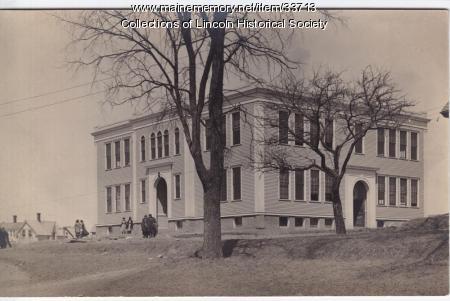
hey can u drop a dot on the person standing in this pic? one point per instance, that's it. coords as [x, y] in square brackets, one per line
[144, 226]
[153, 226]
[77, 228]
[84, 232]
[130, 225]
[123, 226]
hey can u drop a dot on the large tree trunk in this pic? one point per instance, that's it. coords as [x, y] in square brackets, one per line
[212, 242]
[337, 211]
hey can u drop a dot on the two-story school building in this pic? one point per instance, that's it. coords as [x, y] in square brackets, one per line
[144, 167]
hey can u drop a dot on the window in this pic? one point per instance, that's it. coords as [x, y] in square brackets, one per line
[118, 197]
[392, 140]
[381, 190]
[153, 145]
[402, 144]
[380, 224]
[126, 143]
[283, 127]
[299, 132]
[179, 225]
[328, 133]
[314, 185]
[236, 183]
[117, 152]
[328, 222]
[177, 186]
[30, 233]
[359, 143]
[166, 143]
[284, 184]
[392, 191]
[236, 124]
[177, 141]
[159, 142]
[298, 222]
[403, 191]
[108, 156]
[143, 191]
[314, 133]
[224, 130]
[313, 222]
[283, 221]
[108, 199]
[414, 189]
[299, 185]
[380, 142]
[127, 198]
[238, 221]
[24, 233]
[413, 146]
[223, 187]
[142, 148]
[328, 188]
[207, 134]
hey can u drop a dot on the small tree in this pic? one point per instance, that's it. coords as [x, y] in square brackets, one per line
[181, 69]
[337, 115]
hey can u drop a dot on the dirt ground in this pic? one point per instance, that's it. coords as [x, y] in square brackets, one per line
[407, 261]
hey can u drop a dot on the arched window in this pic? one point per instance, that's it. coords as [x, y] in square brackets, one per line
[152, 145]
[166, 143]
[142, 148]
[177, 141]
[159, 141]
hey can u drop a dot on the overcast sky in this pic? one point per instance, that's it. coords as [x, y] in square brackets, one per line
[48, 155]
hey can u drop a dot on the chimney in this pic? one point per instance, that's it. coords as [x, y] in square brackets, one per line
[38, 217]
[14, 219]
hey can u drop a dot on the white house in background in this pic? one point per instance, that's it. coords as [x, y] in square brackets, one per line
[36, 230]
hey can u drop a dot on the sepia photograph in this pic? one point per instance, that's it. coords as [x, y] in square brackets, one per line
[257, 149]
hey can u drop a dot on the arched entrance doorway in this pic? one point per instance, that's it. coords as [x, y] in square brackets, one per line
[359, 204]
[161, 199]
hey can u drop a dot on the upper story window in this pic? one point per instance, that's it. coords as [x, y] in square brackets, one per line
[126, 146]
[299, 185]
[380, 141]
[166, 143]
[236, 125]
[117, 152]
[299, 129]
[284, 184]
[315, 185]
[359, 143]
[328, 133]
[152, 145]
[207, 134]
[159, 142]
[392, 142]
[413, 146]
[236, 183]
[381, 190]
[177, 141]
[108, 155]
[403, 145]
[177, 186]
[283, 127]
[142, 148]
[314, 133]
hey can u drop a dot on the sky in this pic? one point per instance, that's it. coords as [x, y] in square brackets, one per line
[48, 156]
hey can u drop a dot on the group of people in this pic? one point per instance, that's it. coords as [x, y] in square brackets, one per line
[4, 239]
[149, 226]
[126, 227]
[80, 229]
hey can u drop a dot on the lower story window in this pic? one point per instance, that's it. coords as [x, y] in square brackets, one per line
[298, 221]
[238, 221]
[283, 221]
[179, 225]
[313, 222]
[328, 222]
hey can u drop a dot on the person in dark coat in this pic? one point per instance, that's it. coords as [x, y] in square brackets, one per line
[144, 226]
[4, 239]
[153, 226]
[130, 225]
[84, 232]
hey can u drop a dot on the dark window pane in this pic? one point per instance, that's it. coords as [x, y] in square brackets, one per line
[223, 187]
[359, 143]
[299, 131]
[403, 191]
[108, 156]
[127, 197]
[283, 221]
[328, 133]
[117, 151]
[153, 145]
[166, 143]
[143, 191]
[381, 190]
[108, 199]
[313, 222]
[236, 128]
[284, 184]
[392, 142]
[413, 146]
[328, 188]
[283, 127]
[380, 144]
[314, 185]
[403, 144]
[314, 133]
[177, 141]
[177, 186]
[236, 183]
[328, 222]
[392, 191]
[299, 184]
[298, 221]
[118, 199]
[142, 148]
[159, 141]
[127, 151]
[414, 189]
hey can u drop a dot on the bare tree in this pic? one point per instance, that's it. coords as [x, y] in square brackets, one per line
[183, 70]
[330, 117]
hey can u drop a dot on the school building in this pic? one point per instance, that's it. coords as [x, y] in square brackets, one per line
[144, 167]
